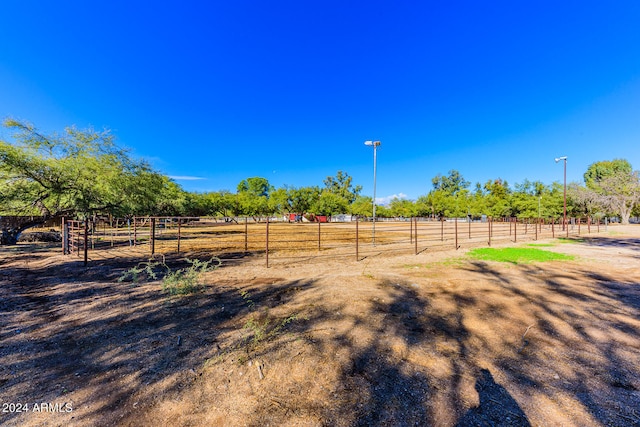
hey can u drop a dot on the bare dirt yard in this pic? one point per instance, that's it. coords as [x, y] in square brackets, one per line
[435, 339]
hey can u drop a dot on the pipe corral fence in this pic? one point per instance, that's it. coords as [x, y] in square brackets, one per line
[281, 241]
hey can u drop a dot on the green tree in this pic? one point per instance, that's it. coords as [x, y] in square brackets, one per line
[452, 183]
[620, 192]
[279, 201]
[614, 185]
[303, 199]
[439, 202]
[253, 197]
[74, 173]
[402, 208]
[598, 171]
[497, 198]
[172, 200]
[362, 206]
[255, 186]
[330, 204]
[342, 185]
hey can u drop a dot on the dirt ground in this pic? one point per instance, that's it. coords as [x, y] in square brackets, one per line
[430, 339]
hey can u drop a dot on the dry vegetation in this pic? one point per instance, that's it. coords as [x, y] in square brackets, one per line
[428, 339]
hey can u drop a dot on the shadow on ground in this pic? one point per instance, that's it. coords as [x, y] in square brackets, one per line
[490, 348]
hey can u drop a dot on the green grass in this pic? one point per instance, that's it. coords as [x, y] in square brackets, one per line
[540, 245]
[516, 255]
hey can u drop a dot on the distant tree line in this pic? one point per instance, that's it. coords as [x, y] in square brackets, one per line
[80, 173]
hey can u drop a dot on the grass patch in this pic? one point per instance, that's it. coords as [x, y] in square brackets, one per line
[541, 245]
[516, 255]
[183, 281]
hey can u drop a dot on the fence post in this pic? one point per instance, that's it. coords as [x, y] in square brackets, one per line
[566, 227]
[267, 245]
[469, 221]
[489, 229]
[78, 238]
[536, 227]
[589, 225]
[179, 229]
[319, 234]
[357, 255]
[152, 235]
[86, 241]
[442, 228]
[64, 236]
[553, 231]
[246, 235]
[456, 229]
[415, 237]
[135, 232]
[411, 230]
[515, 230]
[578, 226]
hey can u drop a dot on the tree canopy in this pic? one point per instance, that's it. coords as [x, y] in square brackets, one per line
[82, 172]
[77, 172]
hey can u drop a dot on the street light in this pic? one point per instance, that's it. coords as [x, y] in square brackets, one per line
[564, 220]
[375, 145]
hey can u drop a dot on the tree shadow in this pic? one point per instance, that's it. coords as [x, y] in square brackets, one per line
[423, 353]
[591, 316]
[608, 241]
[71, 328]
[496, 408]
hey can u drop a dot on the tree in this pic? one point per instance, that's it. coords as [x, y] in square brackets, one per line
[362, 206]
[80, 172]
[253, 197]
[614, 185]
[584, 200]
[497, 198]
[330, 204]
[279, 201]
[302, 200]
[256, 186]
[598, 171]
[450, 184]
[402, 208]
[621, 193]
[342, 185]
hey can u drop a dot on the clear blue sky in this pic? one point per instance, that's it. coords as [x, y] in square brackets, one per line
[290, 90]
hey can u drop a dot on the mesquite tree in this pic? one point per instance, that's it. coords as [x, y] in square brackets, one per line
[76, 173]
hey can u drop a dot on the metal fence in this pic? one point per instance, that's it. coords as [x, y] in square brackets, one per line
[283, 242]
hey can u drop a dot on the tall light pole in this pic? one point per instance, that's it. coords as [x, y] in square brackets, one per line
[375, 145]
[539, 200]
[564, 218]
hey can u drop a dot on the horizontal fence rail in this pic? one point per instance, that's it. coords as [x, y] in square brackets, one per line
[282, 241]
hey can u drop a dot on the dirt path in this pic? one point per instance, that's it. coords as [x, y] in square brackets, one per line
[432, 339]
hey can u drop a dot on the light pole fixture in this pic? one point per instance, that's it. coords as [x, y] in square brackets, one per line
[375, 145]
[564, 218]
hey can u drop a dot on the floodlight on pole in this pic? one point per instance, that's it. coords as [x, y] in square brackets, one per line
[564, 218]
[375, 145]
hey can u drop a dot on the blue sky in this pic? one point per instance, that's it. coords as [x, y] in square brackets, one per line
[290, 90]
